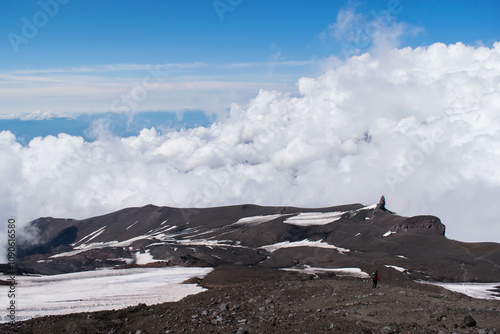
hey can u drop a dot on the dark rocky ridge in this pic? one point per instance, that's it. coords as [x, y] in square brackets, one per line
[210, 237]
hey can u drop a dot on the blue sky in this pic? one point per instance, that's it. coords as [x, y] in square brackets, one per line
[202, 103]
[85, 54]
[97, 32]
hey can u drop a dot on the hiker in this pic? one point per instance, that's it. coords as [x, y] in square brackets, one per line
[375, 278]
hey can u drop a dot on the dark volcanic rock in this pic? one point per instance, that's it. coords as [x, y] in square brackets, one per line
[469, 321]
[422, 224]
[243, 330]
[381, 204]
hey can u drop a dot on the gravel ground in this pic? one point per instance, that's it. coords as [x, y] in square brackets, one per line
[256, 300]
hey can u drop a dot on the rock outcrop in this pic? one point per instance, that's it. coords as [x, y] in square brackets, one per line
[430, 224]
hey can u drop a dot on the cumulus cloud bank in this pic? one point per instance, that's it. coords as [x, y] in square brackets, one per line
[420, 126]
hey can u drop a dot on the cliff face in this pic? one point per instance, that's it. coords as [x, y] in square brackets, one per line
[423, 224]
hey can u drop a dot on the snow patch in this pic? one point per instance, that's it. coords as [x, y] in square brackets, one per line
[304, 243]
[370, 207]
[314, 218]
[354, 272]
[132, 225]
[122, 259]
[255, 220]
[97, 234]
[91, 235]
[143, 258]
[474, 290]
[201, 242]
[400, 269]
[197, 233]
[388, 233]
[208, 243]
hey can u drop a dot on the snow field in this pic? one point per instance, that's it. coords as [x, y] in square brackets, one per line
[99, 290]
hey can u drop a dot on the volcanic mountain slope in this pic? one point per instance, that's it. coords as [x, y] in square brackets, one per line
[365, 237]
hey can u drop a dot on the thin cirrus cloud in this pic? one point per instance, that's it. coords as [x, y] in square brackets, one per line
[63, 92]
[418, 125]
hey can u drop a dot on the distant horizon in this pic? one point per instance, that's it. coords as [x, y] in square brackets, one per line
[116, 124]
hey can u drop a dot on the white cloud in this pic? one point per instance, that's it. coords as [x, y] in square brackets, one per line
[347, 22]
[418, 125]
[376, 32]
